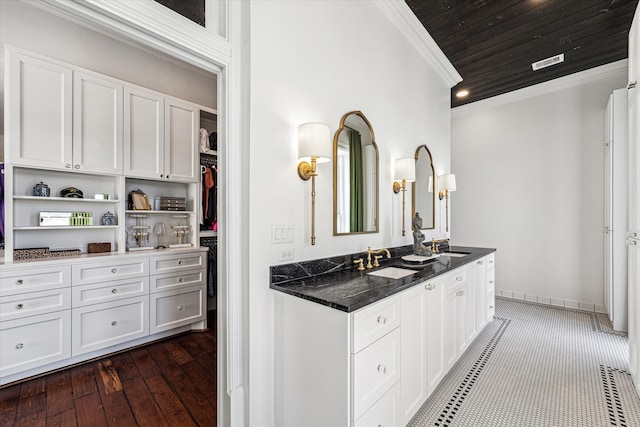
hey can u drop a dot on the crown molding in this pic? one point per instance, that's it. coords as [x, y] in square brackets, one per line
[408, 24]
[572, 80]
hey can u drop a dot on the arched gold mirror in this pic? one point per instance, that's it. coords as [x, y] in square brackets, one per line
[423, 198]
[355, 176]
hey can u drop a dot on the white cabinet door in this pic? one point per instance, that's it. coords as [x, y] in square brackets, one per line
[181, 141]
[414, 349]
[143, 133]
[39, 99]
[455, 319]
[97, 124]
[435, 333]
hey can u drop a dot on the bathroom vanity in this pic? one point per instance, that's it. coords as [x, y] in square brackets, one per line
[356, 349]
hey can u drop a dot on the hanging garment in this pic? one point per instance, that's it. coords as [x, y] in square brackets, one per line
[1, 202]
[212, 271]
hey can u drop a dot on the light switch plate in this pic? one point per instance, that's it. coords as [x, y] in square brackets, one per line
[281, 233]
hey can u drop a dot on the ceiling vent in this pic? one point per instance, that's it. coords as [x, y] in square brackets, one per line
[548, 62]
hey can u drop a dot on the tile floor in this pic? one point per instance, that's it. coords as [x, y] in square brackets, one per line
[538, 366]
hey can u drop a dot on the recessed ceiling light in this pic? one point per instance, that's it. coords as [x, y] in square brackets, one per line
[462, 93]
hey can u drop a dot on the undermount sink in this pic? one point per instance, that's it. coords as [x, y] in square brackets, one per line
[454, 254]
[392, 272]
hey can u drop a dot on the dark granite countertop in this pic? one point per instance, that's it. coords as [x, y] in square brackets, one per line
[349, 290]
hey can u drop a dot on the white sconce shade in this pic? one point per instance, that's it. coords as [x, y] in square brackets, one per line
[405, 169]
[447, 182]
[314, 140]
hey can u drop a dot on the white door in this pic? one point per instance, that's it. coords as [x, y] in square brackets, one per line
[143, 133]
[181, 141]
[40, 112]
[97, 124]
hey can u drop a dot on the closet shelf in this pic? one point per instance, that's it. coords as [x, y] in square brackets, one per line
[66, 227]
[64, 199]
[140, 211]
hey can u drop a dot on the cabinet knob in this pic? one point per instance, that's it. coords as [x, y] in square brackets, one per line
[114, 323]
[459, 278]
[114, 270]
[181, 307]
[180, 262]
[76, 166]
[382, 320]
[161, 175]
[382, 368]
[180, 280]
[491, 262]
[19, 346]
[67, 165]
[632, 84]
[490, 306]
[491, 281]
[19, 282]
[114, 291]
[19, 306]
[460, 293]
[168, 177]
[480, 262]
[429, 286]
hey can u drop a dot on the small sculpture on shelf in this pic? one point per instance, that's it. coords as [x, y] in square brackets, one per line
[140, 233]
[182, 231]
[419, 248]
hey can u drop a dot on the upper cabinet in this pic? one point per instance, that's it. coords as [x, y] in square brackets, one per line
[63, 119]
[160, 136]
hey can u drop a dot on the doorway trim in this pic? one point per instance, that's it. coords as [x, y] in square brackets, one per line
[154, 26]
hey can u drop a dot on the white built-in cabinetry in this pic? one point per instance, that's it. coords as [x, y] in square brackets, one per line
[57, 314]
[615, 209]
[377, 365]
[71, 127]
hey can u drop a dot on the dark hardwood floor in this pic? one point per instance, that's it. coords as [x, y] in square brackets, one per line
[167, 383]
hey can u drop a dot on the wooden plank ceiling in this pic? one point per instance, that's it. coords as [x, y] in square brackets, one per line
[492, 43]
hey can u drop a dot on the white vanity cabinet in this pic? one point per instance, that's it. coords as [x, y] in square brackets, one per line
[61, 118]
[35, 317]
[160, 136]
[490, 287]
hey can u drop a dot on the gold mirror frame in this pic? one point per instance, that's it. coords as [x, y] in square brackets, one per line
[433, 193]
[336, 137]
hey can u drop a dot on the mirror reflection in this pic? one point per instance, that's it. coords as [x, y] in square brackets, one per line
[423, 196]
[355, 176]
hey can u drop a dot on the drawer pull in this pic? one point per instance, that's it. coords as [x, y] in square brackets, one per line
[180, 262]
[19, 282]
[114, 323]
[491, 262]
[490, 306]
[181, 307]
[459, 278]
[429, 286]
[491, 281]
[480, 262]
[114, 291]
[114, 270]
[19, 306]
[180, 280]
[460, 293]
[19, 346]
[382, 368]
[382, 320]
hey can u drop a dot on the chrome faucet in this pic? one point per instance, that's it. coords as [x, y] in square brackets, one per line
[375, 257]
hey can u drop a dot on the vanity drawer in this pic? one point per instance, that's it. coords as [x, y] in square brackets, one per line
[105, 271]
[33, 303]
[173, 263]
[34, 279]
[456, 278]
[491, 282]
[385, 412]
[103, 325]
[165, 282]
[176, 308]
[34, 341]
[374, 321]
[97, 293]
[375, 370]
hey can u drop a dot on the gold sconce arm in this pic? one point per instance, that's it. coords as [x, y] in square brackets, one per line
[306, 171]
[397, 187]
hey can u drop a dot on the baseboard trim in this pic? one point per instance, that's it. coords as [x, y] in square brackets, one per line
[556, 302]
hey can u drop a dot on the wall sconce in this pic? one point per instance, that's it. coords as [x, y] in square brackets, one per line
[446, 183]
[314, 146]
[405, 171]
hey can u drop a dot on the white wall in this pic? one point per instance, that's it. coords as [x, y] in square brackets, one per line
[315, 61]
[530, 175]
